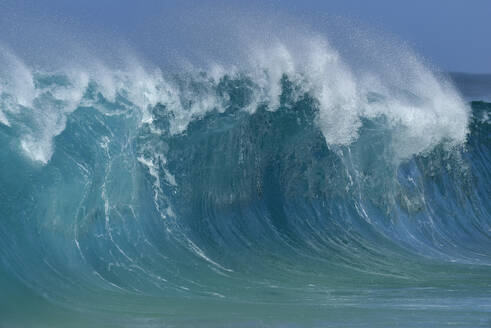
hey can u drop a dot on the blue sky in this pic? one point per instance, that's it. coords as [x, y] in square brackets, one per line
[453, 34]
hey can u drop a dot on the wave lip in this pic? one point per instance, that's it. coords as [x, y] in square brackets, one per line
[422, 109]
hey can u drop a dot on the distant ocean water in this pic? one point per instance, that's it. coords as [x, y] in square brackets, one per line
[291, 190]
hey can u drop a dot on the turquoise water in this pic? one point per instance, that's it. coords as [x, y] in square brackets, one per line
[295, 190]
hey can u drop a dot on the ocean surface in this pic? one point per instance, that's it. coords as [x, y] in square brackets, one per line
[293, 187]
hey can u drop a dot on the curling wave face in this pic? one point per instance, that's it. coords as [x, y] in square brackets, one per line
[280, 180]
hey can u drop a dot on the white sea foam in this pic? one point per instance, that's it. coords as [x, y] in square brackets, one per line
[16, 85]
[421, 109]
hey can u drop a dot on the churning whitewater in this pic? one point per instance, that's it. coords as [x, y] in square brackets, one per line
[295, 186]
